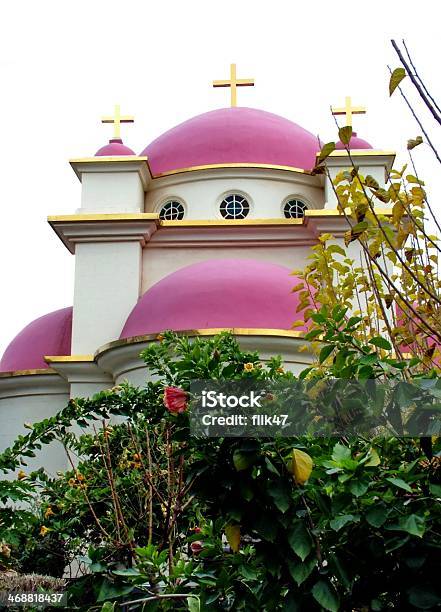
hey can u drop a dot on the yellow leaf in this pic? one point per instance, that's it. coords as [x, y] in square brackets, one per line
[232, 533]
[300, 466]
[325, 237]
[374, 458]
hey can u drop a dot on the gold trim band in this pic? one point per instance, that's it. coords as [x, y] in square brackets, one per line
[68, 358]
[237, 331]
[105, 217]
[232, 165]
[37, 372]
[235, 222]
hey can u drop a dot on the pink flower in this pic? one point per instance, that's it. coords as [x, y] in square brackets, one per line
[175, 399]
[196, 547]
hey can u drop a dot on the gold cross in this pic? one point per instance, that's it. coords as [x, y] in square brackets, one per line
[117, 119]
[348, 110]
[234, 83]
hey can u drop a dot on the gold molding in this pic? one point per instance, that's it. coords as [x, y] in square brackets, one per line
[335, 212]
[226, 222]
[212, 331]
[68, 358]
[36, 372]
[102, 159]
[104, 217]
[360, 153]
[232, 165]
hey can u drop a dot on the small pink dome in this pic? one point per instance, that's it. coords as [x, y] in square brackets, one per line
[47, 335]
[114, 148]
[222, 293]
[355, 143]
[233, 135]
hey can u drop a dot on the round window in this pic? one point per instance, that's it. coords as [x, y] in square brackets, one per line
[172, 211]
[234, 206]
[294, 209]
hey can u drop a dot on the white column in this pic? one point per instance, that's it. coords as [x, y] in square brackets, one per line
[375, 163]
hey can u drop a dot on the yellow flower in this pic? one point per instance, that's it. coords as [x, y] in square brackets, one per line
[159, 337]
[71, 482]
[248, 367]
[43, 530]
[281, 370]
[80, 477]
[21, 475]
[49, 512]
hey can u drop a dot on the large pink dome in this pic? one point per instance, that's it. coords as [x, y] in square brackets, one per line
[221, 293]
[47, 335]
[233, 135]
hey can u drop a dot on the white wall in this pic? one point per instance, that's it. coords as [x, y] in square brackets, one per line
[107, 285]
[202, 191]
[29, 399]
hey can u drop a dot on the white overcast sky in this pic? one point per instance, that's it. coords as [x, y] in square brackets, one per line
[64, 64]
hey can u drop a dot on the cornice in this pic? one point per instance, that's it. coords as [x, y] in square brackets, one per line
[22, 383]
[128, 227]
[124, 163]
[151, 232]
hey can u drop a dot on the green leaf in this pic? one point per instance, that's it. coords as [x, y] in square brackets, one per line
[360, 227]
[381, 343]
[325, 352]
[435, 489]
[301, 571]
[108, 606]
[335, 248]
[300, 541]
[327, 149]
[325, 595]
[129, 571]
[340, 521]
[266, 527]
[395, 79]
[109, 590]
[345, 134]
[242, 461]
[193, 603]
[280, 495]
[423, 597]
[340, 453]
[413, 524]
[398, 482]
[376, 516]
[358, 487]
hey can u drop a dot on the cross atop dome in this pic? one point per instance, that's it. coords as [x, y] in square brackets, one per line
[117, 119]
[348, 110]
[234, 83]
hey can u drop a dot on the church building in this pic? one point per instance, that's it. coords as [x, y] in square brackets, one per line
[198, 233]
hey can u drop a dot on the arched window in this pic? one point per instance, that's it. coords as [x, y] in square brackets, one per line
[234, 206]
[294, 209]
[172, 211]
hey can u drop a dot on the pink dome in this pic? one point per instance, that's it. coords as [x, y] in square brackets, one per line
[233, 135]
[355, 143]
[217, 293]
[114, 148]
[48, 335]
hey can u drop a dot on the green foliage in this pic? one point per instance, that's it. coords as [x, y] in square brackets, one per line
[221, 524]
